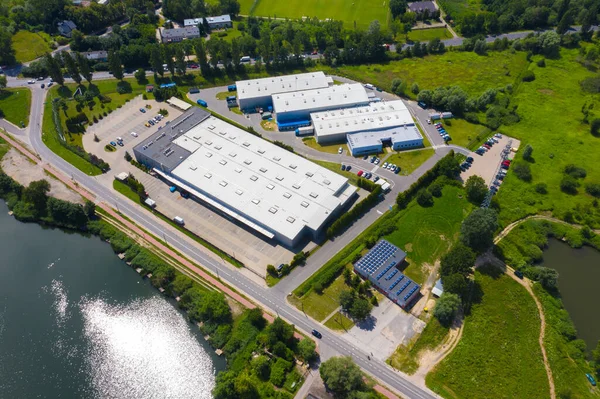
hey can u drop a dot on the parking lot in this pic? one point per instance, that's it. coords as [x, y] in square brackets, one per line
[120, 123]
[487, 165]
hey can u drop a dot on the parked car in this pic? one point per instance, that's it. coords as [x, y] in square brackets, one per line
[385, 164]
[113, 143]
[470, 159]
[340, 150]
[360, 173]
[142, 110]
[50, 84]
[31, 81]
[348, 167]
[487, 146]
[376, 178]
[376, 161]
[343, 167]
[366, 157]
[172, 189]
[373, 160]
[317, 334]
[147, 124]
[120, 143]
[134, 134]
[150, 121]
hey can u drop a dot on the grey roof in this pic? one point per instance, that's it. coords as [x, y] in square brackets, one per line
[95, 55]
[188, 31]
[219, 19]
[396, 135]
[419, 6]
[156, 146]
[65, 27]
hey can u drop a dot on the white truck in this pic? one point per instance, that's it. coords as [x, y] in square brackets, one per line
[385, 186]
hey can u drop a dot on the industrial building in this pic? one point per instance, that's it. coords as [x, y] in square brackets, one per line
[368, 128]
[270, 190]
[295, 107]
[256, 93]
[380, 267]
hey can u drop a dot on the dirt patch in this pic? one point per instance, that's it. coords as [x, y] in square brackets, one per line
[548, 92]
[408, 247]
[25, 171]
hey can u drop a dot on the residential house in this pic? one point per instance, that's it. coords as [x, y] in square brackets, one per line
[66, 27]
[219, 22]
[179, 34]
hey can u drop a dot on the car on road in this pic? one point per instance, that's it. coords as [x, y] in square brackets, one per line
[134, 134]
[317, 334]
[519, 274]
[142, 110]
[113, 143]
[429, 121]
[43, 86]
[31, 81]
[50, 84]
[340, 150]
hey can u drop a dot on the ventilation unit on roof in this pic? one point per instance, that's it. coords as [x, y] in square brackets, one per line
[232, 154]
[290, 219]
[223, 183]
[223, 162]
[270, 186]
[314, 195]
[253, 178]
[304, 204]
[287, 195]
[296, 186]
[280, 178]
[256, 201]
[273, 210]
[309, 174]
[239, 192]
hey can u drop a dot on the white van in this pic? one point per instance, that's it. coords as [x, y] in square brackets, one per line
[178, 220]
[369, 86]
[245, 58]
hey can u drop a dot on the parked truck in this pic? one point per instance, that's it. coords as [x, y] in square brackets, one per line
[305, 131]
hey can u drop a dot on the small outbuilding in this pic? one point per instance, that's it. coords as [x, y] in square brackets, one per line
[438, 289]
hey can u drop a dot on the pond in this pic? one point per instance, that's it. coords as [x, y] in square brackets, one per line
[579, 277]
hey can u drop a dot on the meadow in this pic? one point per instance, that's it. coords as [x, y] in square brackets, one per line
[29, 46]
[550, 109]
[359, 13]
[466, 134]
[425, 35]
[15, 105]
[410, 160]
[498, 355]
[472, 72]
[457, 8]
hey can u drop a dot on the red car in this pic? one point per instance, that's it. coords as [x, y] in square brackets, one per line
[360, 173]
[506, 161]
[314, 52]
[487, 146]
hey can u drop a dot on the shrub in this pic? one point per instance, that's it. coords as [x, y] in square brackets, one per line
[446, 308]
[575, 171]
[541, 188]
[271, 270]
[541, 63]
[318, 287]
[436, 189]
[527, 152]
[569, 185]
[528, 76]
[476, 189]
[424, 198]
[522, 171]
[593, 189]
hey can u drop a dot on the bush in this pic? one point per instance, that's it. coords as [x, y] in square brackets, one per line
[593, 189]
[476, 189]
[528, 76]
[424, 198]
[272, 271]
[541, 63]
[527, 152]
[569, 185]
[575, 171]
[595, 127]
[522, 171]
[541, 188]
[446, 308]
[347, 218]
[436, 189]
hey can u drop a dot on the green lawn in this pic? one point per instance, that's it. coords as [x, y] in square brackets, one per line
[29, 46]
[456, 8]
[550, 109]
[224, 94]
[406, 358]
[411, 160]
[337, 168]
[425, 35]
[15, 105]
[472, 72]
[339, 322]
[359, 12]
[329, 148]
[426, 233]
[466, 134]
[499, 354]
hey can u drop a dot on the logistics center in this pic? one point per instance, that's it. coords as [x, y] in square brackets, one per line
[267, 188]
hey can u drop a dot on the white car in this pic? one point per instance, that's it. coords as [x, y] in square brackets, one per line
[134, 134]
[31, 81]
[385, 165]
[340, 150]
[119, 139]
[377, 161]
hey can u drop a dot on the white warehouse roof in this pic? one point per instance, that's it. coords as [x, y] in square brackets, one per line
[339, 96]
[400, 134]
[258, 182]
[375, 116]
[281, 84]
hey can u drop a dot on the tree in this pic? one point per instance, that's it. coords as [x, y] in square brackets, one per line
[480, 47]
[140, 76]
[7, 53]
[446, 308]
[347, 298]
[180, 60]
[527, 152]
[548, 278]
[460, 259]
[90, 209]
[72, 67]
[397, 7]
[156, 60]
[84, 67]
[595, 127]
[53, 68]
[361, 308]
[3, 82]
[260, 366]
[424, 198]
[549, 43]
[168, 58]
[342, 376]
[415, 88]
[477, 230]
[569, 185]
[596, 358]
[114, 64]
[455, 284]
[37, 195]
[476, 189]
[307, 350]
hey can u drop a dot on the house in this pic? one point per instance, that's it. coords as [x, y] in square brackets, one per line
[438, 289]
[218, 22]
[99, 56]
[66, 27]
[420, 6]
[179, 34]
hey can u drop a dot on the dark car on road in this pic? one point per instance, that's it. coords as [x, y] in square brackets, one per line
[317, 334]
[519, 274]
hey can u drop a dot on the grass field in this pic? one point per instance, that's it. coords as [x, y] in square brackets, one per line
[551, 122]
[337, 168]
[339, 322]
[466, 134]
[425, 35]
[426, 233]
[405, 358]
[456, 8]
[328, 148]
[15, 105]
[359, 12]
[472, 72]
[29, 46]
[411, 160]
[498, 355]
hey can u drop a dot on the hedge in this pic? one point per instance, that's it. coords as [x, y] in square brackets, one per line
[347, 218]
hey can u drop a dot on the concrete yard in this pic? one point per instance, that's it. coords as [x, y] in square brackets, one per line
[24, 171]
[386, 328]
[487, 165]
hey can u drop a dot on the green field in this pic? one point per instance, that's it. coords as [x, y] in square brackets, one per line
[359, 12]
[15, 105]
[466, 134]
[551, 122]
[410, 160]
[328, 148]
[337, 168]
[29, 46]
[425, 35]
[339, 322]
[457, 8]
[498, 355]
[472, 72]
[426, 233]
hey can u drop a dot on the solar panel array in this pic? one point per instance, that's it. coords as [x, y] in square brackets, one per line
[378, 265]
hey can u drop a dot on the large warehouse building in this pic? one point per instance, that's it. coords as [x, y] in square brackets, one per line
[296, 107]
[256, 93]
[380, 267]
[267, 188]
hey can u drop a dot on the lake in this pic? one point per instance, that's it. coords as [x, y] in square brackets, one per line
[579, 276]
[75, 321]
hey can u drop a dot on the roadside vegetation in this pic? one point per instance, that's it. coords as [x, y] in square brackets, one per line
[498, 354]
[15, 105]
[29, 45]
